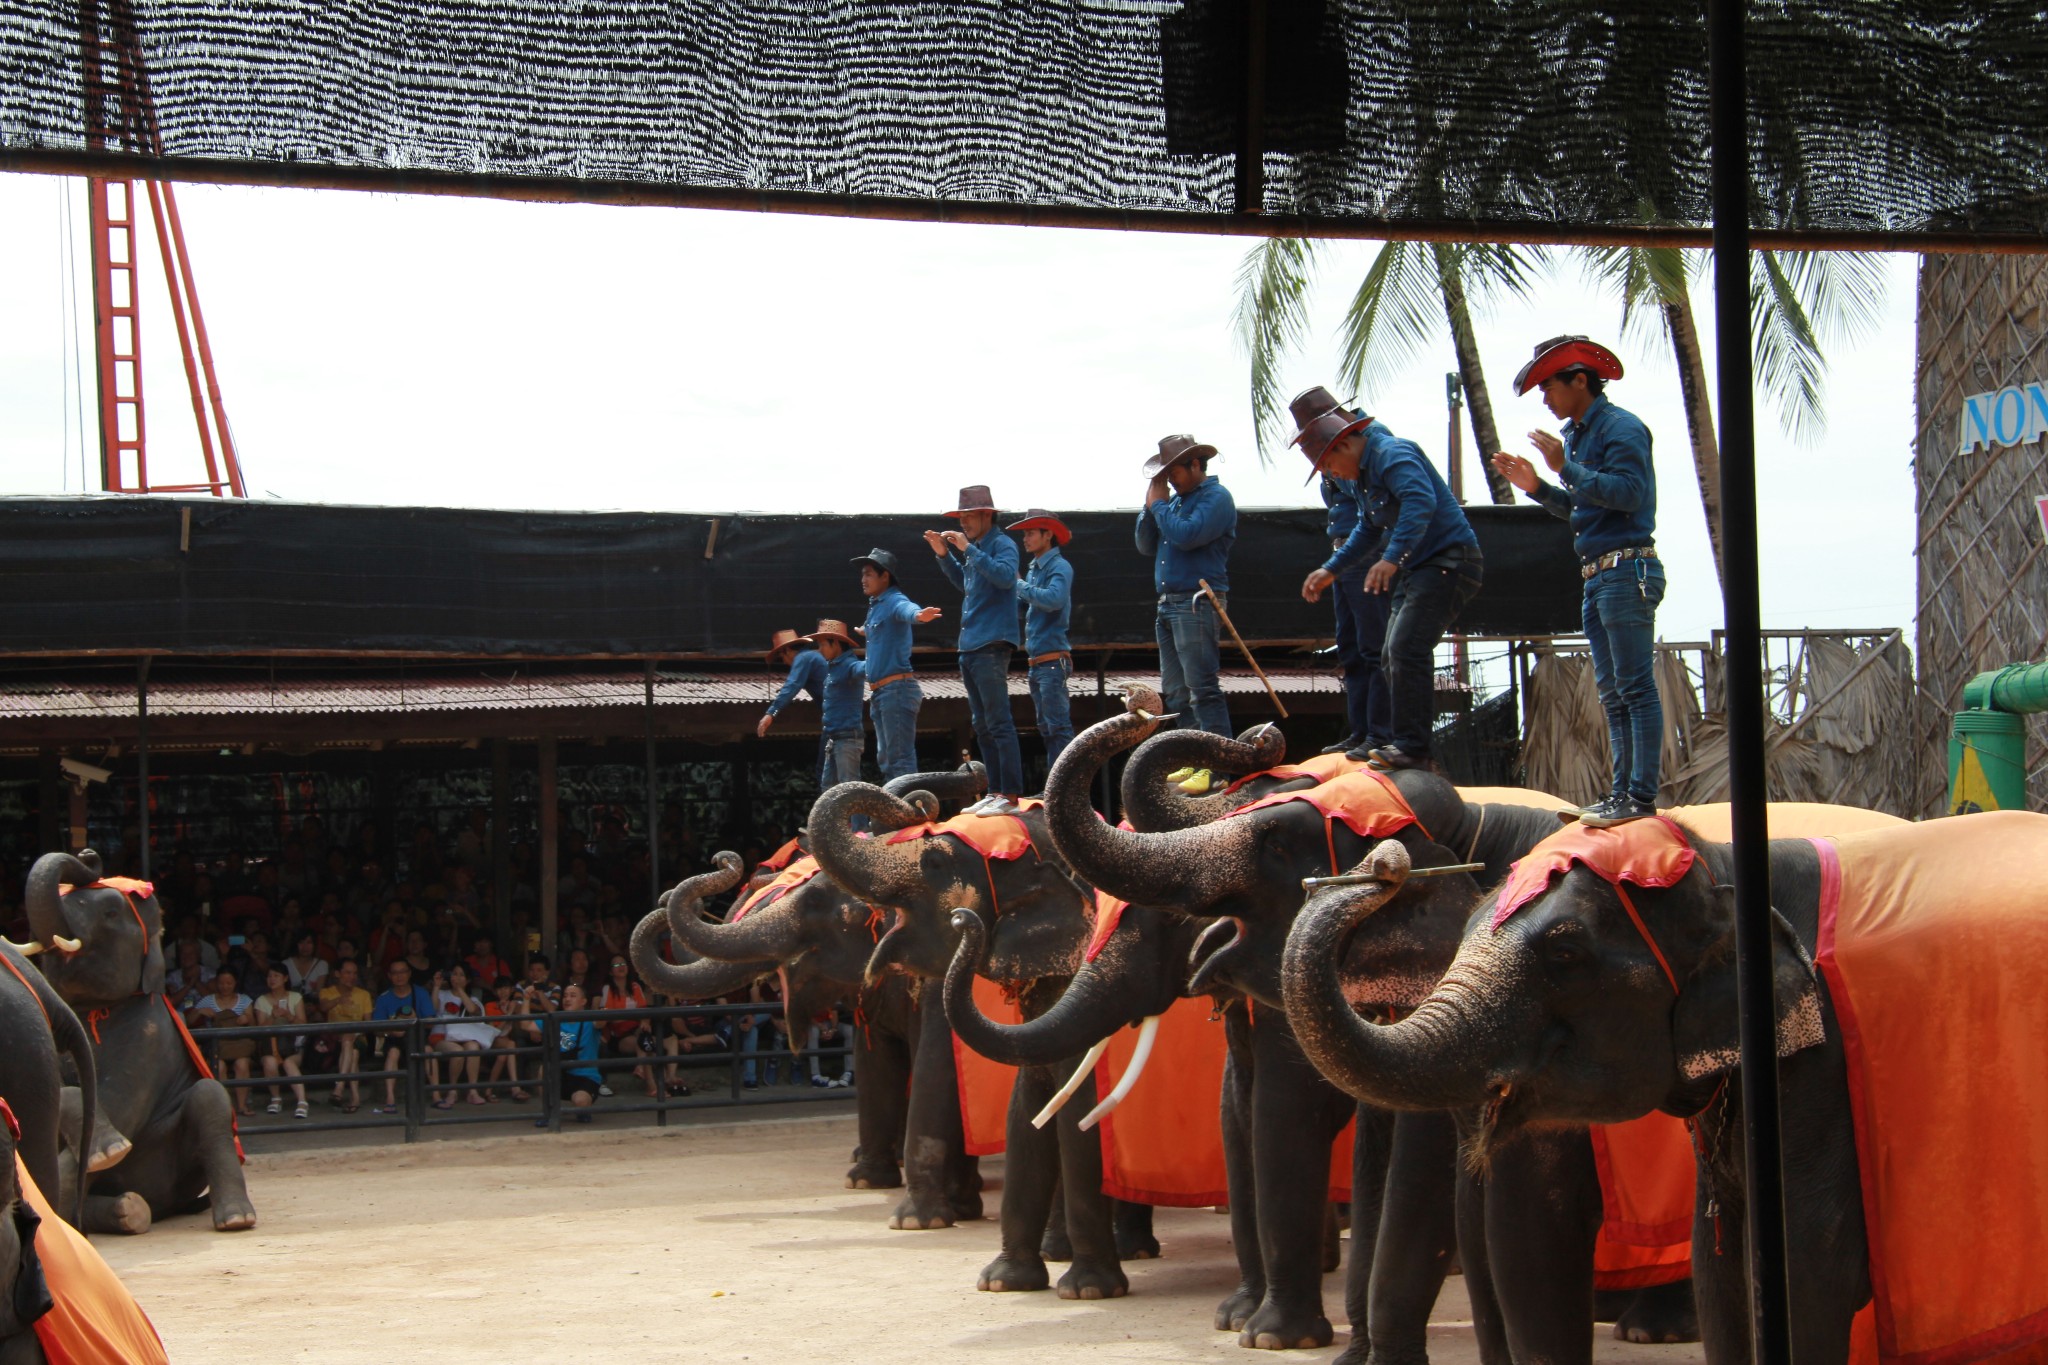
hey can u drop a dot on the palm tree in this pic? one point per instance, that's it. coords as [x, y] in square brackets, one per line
[1796, 299]
[1391, 316]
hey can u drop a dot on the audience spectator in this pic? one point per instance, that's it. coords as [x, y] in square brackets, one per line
[828, 1031]
[576, 1044]
[628, 1037]
[227, 1007]
[466, 1039]
[403, 1000]
[305, 968]
[280, 1004]
[578, 971]
[188, 976]
[484, 963]
[508, 1004]
[343, 1001]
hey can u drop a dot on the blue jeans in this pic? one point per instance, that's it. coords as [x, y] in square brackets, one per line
[1361, 634]
[986, 671]
[1620, 616]
[843, 749]
[894, 710]
[1055, 713]
[1188, 662]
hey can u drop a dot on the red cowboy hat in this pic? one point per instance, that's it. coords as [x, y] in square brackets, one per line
[1564, 353]
[1038, 519]
[975, 499]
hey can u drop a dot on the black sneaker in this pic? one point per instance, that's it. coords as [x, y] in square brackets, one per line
[1344, 745]
[1618, 810]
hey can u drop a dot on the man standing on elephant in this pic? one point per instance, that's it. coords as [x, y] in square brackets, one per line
[982, 562]
[845, 735]
[1361, 624]
[1609, 496]
[893, 693]
[806, 678]
[1187, 525]
[1047, 591]
[1429, 560]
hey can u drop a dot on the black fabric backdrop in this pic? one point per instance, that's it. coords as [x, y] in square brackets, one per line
[105, 574]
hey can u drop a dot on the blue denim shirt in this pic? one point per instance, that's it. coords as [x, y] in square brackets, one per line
[1341, 497]
[1610, 485]
[1048, 596]
[1189, 538]
[987, 572]
[890, 617]
[1400, 493]
[844, 677]
[806, 676]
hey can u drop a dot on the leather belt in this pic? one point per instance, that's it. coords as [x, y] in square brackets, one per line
[1600, 563]
[893, 677]
[1037, 659]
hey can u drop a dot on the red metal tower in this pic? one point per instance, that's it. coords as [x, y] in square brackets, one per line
[120, 113]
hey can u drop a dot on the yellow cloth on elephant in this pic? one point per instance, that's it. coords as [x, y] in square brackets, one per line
[95, 1320]
[1932, 938]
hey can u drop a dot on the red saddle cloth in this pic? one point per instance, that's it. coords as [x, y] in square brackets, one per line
[95, 1320]
[793, 875]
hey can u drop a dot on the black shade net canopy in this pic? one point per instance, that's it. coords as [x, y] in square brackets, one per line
[1530, 119]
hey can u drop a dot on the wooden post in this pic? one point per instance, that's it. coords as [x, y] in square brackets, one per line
[501, 847]
[550, 847]
[50, 806]
[142, 764]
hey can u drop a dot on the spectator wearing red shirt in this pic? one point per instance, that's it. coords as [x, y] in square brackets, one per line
[628, 1037]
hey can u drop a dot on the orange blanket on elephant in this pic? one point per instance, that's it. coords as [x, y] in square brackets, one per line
[984, 1085]
[1363, 798]
[1647, 1178]
[1932, 938]
[95, 1320]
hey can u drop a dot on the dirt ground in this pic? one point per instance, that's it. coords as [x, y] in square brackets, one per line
[715, 1241]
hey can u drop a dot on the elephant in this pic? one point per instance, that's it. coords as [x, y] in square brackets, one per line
[1567, 1013]
[151, 1085]
[39, 1026]
[1245, 874]
[1040, 911]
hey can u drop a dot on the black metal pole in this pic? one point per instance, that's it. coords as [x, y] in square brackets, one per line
[653, 802]
[1727, 83]
[142, 761]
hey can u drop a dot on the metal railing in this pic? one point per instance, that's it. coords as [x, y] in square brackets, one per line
[414, 1087]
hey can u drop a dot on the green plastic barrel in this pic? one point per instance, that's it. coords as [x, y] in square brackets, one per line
[1987, 767]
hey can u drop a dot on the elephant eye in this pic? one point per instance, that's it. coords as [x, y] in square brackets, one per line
[1562, 947]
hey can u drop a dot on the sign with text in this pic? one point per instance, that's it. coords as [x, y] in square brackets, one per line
[2013, 415]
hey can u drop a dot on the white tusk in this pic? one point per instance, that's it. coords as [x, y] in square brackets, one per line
[1066, 1092]
[1147, 1031]
[25, 949]
[69, 945]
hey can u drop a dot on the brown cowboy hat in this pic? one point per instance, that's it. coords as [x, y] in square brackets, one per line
[1310, 404]
[1174, 449]
[828, 629]
[1558, 354]
[975, 498]
[1038, 519]
[1320, 433]
[781, 640]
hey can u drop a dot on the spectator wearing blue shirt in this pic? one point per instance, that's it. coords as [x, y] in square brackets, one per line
[893, 693]
[845, 676]
[1427, 558]
[576, 1045]
[982, 562]
[402, 1001]
[1047, 592]
[1187, 526]
[1609, 495]
[806, 678]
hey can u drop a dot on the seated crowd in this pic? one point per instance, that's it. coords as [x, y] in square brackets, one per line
[346, 934]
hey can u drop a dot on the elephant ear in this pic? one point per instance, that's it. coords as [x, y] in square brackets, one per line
[1705, 1030]
[152, 982]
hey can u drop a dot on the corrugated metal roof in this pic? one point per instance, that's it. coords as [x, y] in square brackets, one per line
[478, 692]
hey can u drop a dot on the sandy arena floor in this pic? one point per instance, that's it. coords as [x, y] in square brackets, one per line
[709, 1242]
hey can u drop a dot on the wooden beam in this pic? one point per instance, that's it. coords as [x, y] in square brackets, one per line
[550, 847]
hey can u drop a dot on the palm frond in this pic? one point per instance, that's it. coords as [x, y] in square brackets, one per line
[1495, 270]
[1271, 319]
[1787, 355]
[1398, 306]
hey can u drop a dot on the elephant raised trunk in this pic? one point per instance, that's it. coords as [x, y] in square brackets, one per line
[1090, 1009]
[1153, 806]
[767, 935]
[703, 979]
[1180, 870]
[871, 868]
[952, 790]
[49, 918]
[1439, 1057]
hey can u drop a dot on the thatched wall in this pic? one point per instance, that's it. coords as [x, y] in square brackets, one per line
[1983, 589]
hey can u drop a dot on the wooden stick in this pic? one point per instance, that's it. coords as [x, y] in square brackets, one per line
[1224, 616]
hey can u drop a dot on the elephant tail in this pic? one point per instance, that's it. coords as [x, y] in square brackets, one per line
[71, 1038]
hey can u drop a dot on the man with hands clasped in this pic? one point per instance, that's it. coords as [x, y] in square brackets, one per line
[1047, 591]
[982, 562]
[893, 694]
[1609, 494]
[1429, 559]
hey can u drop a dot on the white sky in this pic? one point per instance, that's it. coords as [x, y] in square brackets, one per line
[394, 350]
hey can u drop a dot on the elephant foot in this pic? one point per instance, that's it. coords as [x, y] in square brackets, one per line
[109, 1146]
[864, 1177]
[1333, 1245]
[1662, 1314]
[1136, 1246]
[1093, 1280]
[966, 1207]
[1358, 1352]
[1056, 1245]
[1234, 1312]
[1013, 1275]
[1277, 1329]
[126, 1214]
[920, 1210]
[233, 1216]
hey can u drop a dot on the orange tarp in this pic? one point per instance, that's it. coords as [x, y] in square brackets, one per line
[786, 881]
[96, 1321]
[1932, 938]
[1647, 1177]
[1786, 820]
[984, 1085]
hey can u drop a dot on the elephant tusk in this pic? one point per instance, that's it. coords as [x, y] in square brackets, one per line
[1066, 1092]
[25, 949]
[1147, 1032]
[69, 945]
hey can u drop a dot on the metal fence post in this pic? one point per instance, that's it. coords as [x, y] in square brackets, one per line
[415, 1097]
[550, 1072]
